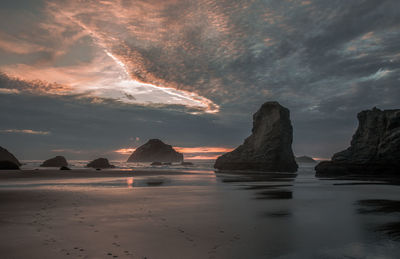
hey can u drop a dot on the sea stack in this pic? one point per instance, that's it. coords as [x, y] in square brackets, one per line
[155, 151]
[269, 147]
[305, 159]
[57, 161]
[7, 160]
[374, 148]
[100, 163]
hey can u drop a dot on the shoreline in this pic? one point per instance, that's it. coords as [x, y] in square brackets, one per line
[83, 173]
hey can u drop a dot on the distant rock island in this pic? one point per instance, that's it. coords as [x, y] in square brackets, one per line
[374, 149]
[305, 159]
[5, 155]
[269, 148]
[155, 151]
[100, 163]
[57, 161]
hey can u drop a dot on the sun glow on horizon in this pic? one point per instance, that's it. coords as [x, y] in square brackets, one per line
[190, 153]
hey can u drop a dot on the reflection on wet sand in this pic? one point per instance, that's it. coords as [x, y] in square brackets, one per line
[274, 195]
[242, 177]
[384, 208]
[129, 182]
[197, 215]
[269, 191]
[391, 229]
[277, 214]
[155, 182]
[378, 206]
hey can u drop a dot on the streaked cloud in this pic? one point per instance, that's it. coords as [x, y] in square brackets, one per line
[125, 151]
[203, 149]
[25, 131]
[134, 66]
[9, 91]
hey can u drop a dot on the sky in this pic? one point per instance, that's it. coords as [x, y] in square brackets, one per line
[100, 77]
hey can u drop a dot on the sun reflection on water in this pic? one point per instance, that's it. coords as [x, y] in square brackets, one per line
[129, 182]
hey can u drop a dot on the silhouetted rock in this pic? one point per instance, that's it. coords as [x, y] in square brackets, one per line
[374, 149]
[8, 165]
[156, 163]
[65, 168]
[305, 159]
[167, 163]
[100, 163]
[155, 150]
[187, 163]
[57, 161]
[269, 148]
[5, 155]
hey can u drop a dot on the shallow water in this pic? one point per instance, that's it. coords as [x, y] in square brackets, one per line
[265, 216]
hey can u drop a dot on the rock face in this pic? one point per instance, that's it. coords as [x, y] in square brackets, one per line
[8, 165]
[305, 159]
[57, 161]
[187, 163]
[269, 148]
[5, 155]
[374, 149]
[100, 163]
[155, 150]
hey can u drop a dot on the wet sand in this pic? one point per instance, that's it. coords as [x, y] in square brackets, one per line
[189, 214]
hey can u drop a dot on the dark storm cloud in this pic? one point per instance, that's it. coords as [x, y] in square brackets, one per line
[324, 60]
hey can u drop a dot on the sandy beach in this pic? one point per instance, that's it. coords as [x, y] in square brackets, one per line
[193, 214]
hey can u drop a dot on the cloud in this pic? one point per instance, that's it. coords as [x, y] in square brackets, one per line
[9, 43]
[9, 91]
[25, 131]
[125, 151]
[203, 149]
[324, 60]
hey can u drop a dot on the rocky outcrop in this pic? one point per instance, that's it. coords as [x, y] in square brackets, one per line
[8, 165]
[269, 148]
[57, 161]
[156, 163]
[155, 150]
[374, 148]
[187, 163]
[5, 155]
[100, 163]
[305, 159]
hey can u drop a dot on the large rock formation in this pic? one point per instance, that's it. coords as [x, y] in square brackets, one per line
[100, 163]
[8, 165]
[155, 151]
[5, 155]
[269, 148]
[374, 149]
[57, 161]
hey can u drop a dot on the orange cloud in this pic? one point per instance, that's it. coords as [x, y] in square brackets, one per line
[204, 153]
[14, 45]
[125, 151]
[202, 157]
[203, 149]
[320, 158]
[25, 131]
[124, 19]
[9, 91]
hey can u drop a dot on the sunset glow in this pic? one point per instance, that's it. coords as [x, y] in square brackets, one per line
[125, 151]
[203, 149]
[190, 153]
